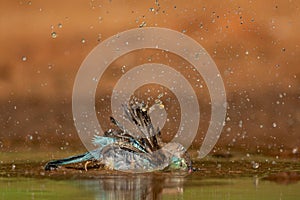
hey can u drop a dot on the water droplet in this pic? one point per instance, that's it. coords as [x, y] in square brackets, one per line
[54, 35]
[83, 40]
[240, 123]
[143, 24]
[59, 25]
[158, 101]
[123, 69]
[160, 95]
[161, 106]
[247, 52]
[24, 58]
[274, 125]
[255, 165]
[280, 150]
[99, 37]
[13, 167]
[152, 9]
[295, 150]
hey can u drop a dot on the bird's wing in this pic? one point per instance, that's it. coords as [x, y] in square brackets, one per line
[138, 115]
[145, 139]
[102, 140]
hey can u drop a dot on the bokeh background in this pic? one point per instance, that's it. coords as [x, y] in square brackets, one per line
[255, 44]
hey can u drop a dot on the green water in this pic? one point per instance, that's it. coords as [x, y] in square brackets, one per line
[22, 176]
[140, 187]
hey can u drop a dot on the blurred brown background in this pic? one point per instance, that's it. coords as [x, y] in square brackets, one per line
[255, 44]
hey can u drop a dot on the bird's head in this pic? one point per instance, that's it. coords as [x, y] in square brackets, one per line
[181, 164]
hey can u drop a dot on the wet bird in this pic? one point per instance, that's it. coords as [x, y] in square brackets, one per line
[124, 150]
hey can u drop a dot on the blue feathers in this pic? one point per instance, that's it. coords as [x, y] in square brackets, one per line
[120, 149]
[102, 141]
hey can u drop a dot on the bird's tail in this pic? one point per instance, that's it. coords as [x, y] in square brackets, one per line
[73, 159]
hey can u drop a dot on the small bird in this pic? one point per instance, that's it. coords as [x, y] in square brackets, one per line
[124, 150]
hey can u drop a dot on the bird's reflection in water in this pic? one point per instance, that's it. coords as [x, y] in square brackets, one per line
[136, 187]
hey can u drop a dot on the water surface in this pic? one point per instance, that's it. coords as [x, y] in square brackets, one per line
[214, 178]
[139, 187]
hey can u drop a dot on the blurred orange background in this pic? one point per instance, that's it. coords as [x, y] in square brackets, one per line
[255, 45]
